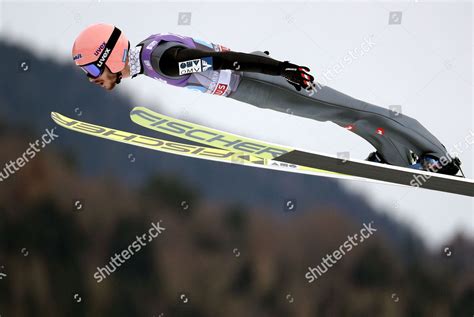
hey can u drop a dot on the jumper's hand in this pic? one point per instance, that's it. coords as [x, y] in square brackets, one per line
[296, 75]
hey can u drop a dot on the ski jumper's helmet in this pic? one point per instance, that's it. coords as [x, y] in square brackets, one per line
[98, 46]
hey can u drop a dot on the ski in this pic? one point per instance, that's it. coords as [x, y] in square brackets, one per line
[189, 150]
[283, 154]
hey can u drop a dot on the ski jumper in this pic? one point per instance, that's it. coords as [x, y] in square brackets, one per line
[394, 136]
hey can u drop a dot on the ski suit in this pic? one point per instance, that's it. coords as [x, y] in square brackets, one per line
[394, 135]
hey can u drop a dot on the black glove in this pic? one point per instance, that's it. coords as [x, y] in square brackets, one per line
[296, 75]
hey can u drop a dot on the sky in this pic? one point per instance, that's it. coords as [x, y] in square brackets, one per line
[420, 60]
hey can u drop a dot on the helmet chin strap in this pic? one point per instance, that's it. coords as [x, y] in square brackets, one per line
[119, 78]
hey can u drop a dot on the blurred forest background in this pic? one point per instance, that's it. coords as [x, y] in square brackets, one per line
[230, 247]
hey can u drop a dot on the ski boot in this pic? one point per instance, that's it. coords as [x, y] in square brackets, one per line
[431, 163]
[376, 157]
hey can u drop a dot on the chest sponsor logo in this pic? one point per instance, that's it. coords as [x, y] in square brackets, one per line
[206, 63]
[191, 66]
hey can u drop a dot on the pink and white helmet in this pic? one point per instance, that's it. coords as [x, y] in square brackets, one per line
[100, 45]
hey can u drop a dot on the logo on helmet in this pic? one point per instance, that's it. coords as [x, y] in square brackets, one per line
[78, 56]
[98, 50]
[103, 58]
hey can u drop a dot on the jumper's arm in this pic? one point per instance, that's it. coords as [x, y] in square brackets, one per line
[170, 60]
[179, 60]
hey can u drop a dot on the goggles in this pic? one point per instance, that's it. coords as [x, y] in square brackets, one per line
[95, 69]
